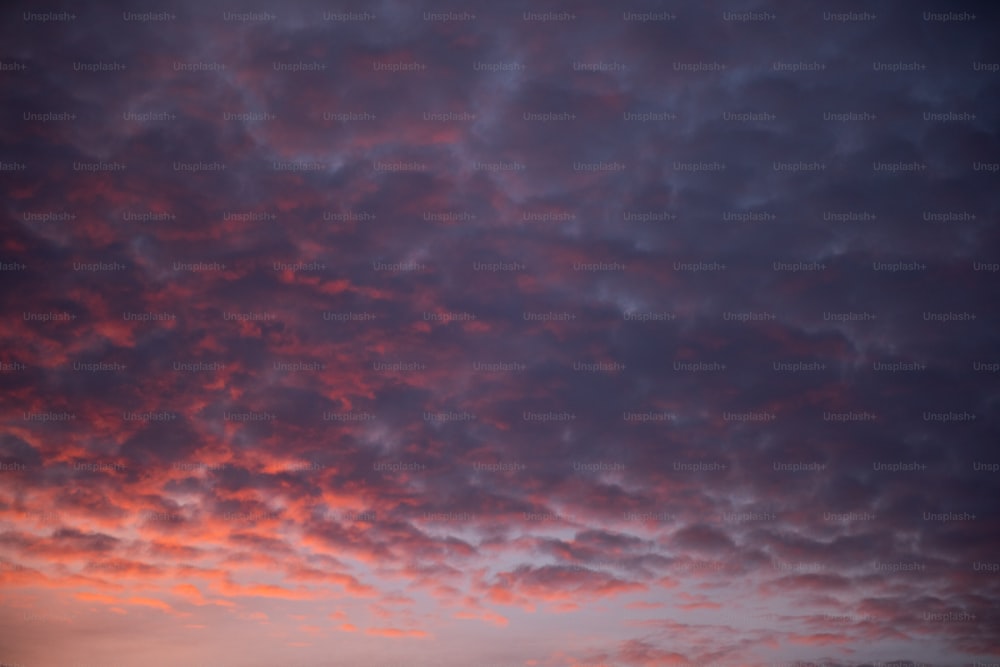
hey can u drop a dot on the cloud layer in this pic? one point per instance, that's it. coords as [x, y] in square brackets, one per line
[499, 334]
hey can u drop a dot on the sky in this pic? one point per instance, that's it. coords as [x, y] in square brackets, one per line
[499, 334]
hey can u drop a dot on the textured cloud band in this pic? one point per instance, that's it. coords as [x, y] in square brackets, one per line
[499, 334]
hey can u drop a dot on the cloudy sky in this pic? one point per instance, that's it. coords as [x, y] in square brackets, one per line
[499, 334]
